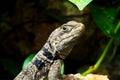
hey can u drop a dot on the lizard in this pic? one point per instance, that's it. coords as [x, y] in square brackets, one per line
[46, 65]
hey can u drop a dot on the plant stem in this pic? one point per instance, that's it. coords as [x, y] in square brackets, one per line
[91, 69]
[117, 27]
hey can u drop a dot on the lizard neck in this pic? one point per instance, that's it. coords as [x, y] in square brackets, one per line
[44, 56]
[48, 51]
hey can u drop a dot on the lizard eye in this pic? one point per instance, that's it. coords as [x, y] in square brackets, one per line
[66, 28]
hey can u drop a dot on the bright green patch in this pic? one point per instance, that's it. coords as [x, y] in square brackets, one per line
[62, 70]
[27, 60]
[81, 4]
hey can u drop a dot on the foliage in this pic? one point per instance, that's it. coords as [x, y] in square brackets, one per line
[10, 65]
[81, 4]
[104, 18]
[27, 60]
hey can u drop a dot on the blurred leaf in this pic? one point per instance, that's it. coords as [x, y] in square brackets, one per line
[118, 40]
[104, 18]
[11, 66]
[63, 67]
[81, 4]
[27, 60]
[117, 31]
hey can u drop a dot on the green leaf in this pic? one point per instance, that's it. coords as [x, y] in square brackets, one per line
[117, 31]
[81, 4]
[27, 60]
[10, 65]
[104, 18]
[62, 69]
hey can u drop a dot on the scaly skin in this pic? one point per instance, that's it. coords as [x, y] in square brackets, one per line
[46, 65]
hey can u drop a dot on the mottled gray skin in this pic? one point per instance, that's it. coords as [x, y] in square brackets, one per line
[46, 65]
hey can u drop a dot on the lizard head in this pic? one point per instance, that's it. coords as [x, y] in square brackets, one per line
[65, 37]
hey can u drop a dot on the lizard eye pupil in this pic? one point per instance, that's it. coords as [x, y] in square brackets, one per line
[65, 28]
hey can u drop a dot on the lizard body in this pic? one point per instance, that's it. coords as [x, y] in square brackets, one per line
[46, 64]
